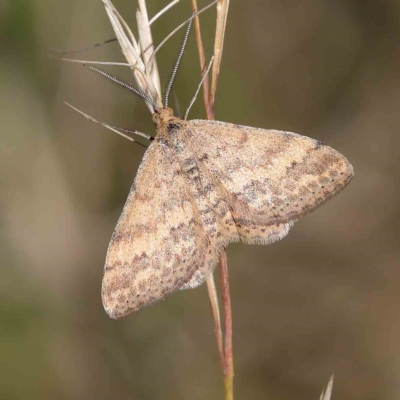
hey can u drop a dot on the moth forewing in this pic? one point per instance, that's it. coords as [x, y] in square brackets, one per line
[156, 246]
[269, 176]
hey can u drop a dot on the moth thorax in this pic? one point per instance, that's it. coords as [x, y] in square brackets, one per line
[174, 135]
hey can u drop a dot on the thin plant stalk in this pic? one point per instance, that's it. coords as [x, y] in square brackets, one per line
[225, 348]
[212, 293]
[227, 310]
[222, 15]
[202, 59]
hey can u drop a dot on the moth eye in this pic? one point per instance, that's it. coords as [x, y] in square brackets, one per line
[170, 110]
[155, 118]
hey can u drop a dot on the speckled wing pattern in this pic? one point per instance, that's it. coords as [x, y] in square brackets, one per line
[204, 184]
[157, 243]
[269, 176]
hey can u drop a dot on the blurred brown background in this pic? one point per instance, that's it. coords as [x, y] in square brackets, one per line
[326, 298]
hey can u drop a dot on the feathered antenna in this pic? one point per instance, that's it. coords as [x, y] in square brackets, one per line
[176, 66]
[125, 85]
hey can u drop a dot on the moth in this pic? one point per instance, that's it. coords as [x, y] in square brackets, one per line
[202, 185]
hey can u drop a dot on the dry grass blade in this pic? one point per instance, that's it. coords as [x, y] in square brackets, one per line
[212, 294]
[94, 62]
[129, 46]
[222, 15]
[163, 11]
[326, 395]
[132, 53]
[205, 74]
[146, 44]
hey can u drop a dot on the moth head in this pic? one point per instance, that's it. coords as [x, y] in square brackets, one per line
[163, 115]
